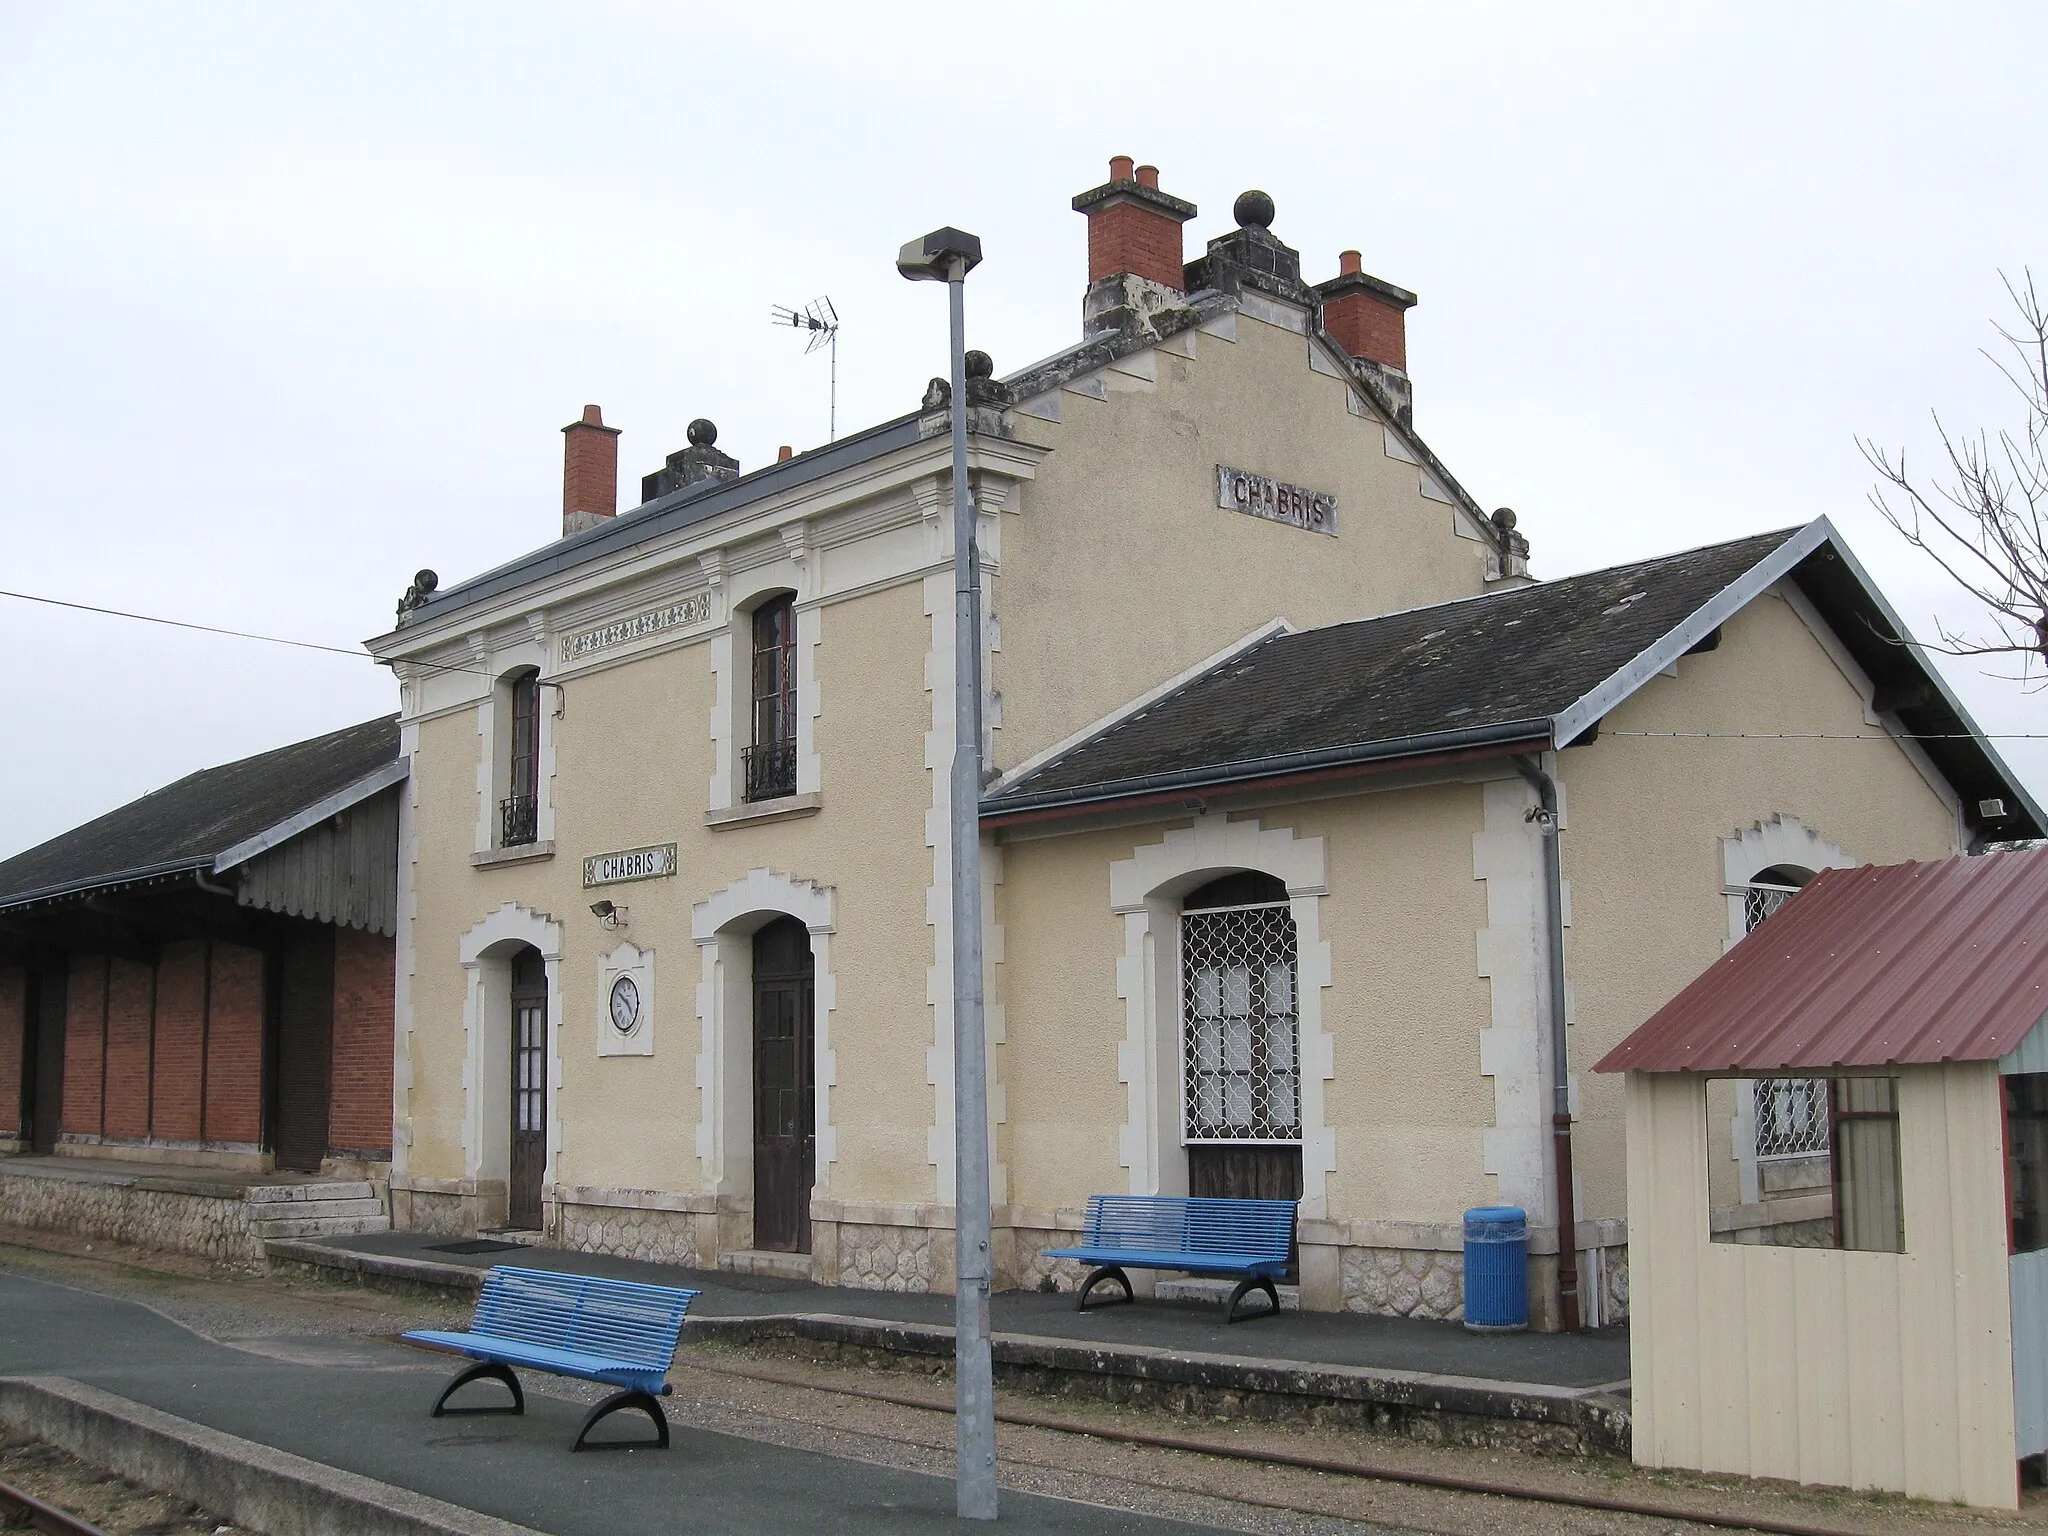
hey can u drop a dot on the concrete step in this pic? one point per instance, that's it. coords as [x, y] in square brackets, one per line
[298, 1210]
[336, 1189]
[320, 1226]
[526, 1237]
[1215, 1292]
[760, 1261]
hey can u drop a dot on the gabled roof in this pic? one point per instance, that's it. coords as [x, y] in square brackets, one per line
[1946, 961]
[1526, 668]
[189, 825]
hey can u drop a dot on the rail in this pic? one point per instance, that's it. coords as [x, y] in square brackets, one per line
[24, 1511]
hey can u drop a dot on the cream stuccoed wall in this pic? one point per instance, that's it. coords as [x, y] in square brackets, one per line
[633, 753]
[1645, 820]
[1119, 569]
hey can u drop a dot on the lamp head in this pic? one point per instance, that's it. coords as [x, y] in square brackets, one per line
[933, 259]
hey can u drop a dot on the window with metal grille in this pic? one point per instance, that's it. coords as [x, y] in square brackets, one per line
[1791, 1113]
[1240, 1029]
[770, 762]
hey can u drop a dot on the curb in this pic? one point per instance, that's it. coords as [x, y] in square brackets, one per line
[252, 1485]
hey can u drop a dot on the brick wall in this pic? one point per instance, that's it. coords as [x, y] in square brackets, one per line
[13, 1034]
[131, 988]
[234, 1056]
[84, 1023]
[1128, 237]
[359, 1104]
[180, 1037]
[1369, 329]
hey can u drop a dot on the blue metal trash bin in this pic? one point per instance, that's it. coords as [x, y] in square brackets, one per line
[1496, 1268]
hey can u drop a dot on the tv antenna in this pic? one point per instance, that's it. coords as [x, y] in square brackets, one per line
[822, 321]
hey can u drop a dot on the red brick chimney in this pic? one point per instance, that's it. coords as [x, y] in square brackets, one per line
[590, 472]
[1133, 233]
[1367, 317]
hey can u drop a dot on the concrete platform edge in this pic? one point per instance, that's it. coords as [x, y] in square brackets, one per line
[239, 1480]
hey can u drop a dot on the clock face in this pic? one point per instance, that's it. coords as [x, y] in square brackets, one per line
[625, 1005]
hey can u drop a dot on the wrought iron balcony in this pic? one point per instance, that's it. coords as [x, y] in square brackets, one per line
[770, 770]
[518, 820]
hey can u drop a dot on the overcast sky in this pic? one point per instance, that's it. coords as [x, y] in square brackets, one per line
[294, 298]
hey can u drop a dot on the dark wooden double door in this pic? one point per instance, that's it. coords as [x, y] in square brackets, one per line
[785, 1154]
[529, 1089]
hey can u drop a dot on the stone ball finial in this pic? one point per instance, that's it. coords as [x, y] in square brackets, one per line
[426, 581]
[1253, 209]
[702, 433]
[1504, 519]
[980, 365]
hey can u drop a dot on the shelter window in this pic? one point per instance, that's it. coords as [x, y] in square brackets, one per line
[1847, 1192]
[1790, 1114]
[519, 811]
[1241, 1031]
[2026, 1154]
[770, 761]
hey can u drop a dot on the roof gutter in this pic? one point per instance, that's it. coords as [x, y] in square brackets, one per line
[1434, 749]
[108, 882]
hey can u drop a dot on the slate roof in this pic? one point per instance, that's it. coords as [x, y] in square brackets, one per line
[185, 825]
[1942, 961]
[1531, 666]
[1485, 669]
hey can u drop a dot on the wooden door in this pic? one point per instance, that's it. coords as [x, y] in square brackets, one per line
[784, 1122]
[43, 1075]
[305, 1043]
[529, 1089]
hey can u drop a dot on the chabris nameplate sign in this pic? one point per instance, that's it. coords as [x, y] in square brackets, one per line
[630, 864]
[1257, 496]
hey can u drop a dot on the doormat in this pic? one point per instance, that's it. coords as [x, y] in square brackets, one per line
[473, 1245]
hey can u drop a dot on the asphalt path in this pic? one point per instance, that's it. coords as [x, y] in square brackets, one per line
[361, 1404]
[1386, 1343]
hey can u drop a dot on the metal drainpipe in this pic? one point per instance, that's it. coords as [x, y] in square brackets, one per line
[1561, 1088]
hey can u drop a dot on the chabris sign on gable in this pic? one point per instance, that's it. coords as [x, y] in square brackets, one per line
[1239, 490]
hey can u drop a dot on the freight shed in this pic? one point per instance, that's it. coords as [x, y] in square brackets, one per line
[203, 978]
[1873, 1312]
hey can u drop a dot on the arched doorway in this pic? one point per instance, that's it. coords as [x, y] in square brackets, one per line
[784, 1097]
[529, 1116]
[1241, 1039]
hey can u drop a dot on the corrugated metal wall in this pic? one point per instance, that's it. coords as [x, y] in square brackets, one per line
[343, 871]
[1861, 1370]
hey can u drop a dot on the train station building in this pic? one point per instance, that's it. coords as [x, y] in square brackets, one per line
[1279, 723]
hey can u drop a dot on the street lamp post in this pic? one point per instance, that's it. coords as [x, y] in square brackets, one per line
[948, 255]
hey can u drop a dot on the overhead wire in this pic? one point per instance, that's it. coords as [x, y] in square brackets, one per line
[437, 666]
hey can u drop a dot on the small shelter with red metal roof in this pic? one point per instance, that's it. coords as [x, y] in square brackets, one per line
[1873, 1313]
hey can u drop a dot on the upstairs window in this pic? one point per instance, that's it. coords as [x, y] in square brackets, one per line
[519, 811]
[770, 761]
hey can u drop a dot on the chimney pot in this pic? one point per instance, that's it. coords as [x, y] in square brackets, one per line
[1148, 176]
[590, 472]
[1348, 262]
[784, 453]
[1120, 167]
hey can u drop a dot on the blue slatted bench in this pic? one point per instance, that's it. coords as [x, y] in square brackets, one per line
[611, 1331]
[1250, 1240]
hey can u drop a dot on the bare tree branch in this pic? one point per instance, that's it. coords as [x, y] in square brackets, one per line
[1986, 525]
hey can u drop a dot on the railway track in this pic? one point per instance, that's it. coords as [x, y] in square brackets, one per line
[1441, 1482]
[24, 1512]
